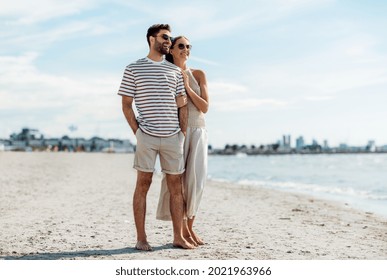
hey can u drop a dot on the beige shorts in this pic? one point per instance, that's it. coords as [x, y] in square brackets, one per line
[170, 150]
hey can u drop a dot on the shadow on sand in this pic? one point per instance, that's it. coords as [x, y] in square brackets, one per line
[82, 254]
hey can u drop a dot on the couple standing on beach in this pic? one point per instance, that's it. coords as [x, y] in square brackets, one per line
[171, 100]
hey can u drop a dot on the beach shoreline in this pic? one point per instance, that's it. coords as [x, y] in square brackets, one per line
[79, 206]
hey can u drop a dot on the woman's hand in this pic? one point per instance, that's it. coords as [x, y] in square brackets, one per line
[181, 100]
[186, 80]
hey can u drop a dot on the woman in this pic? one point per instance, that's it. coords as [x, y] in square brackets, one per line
[195, 146]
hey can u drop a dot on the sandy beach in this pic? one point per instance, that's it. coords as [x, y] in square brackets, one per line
[79, 206]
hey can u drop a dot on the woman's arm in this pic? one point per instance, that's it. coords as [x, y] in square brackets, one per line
[201, 102]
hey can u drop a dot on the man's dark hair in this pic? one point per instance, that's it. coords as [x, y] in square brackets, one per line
[154, 29]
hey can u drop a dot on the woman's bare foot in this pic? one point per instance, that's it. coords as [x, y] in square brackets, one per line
[187, 234]
[182, 243]
[196, 238]
[143, 246]
[191, 240]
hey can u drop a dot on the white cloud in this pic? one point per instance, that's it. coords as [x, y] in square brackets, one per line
[61, 33]
[222, 88]
[237, 97]
[62, 100]
[205, 20]
[347, 64]
[40, 37]
[204, 61]
[26, 12]
[319, 98]
[245, 104]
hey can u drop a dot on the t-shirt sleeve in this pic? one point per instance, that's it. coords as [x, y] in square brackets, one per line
[180, 84]
[128, 85]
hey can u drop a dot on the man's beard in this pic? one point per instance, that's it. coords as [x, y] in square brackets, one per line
[159, 47]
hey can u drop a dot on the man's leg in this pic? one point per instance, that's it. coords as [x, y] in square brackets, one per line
[144, 180]
[177, 211]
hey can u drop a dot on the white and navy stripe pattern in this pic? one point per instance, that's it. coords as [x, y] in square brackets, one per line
[154, 86]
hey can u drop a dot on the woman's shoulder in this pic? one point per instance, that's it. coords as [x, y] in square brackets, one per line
[197, 71]
[198, 74]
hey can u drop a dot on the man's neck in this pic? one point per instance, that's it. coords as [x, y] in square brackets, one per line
[155, 56]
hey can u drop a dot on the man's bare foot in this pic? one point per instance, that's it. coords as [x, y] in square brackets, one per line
[143, 246]
[182, 243]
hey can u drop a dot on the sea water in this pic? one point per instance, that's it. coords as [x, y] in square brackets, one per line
[359, 180]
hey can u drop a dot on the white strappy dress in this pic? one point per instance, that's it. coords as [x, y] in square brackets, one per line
[195, 156]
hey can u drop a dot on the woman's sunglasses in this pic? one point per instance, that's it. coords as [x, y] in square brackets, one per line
[182, 46]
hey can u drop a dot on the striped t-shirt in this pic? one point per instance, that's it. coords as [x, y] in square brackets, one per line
[154, 86]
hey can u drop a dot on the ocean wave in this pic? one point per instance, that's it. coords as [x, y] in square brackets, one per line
[314, 188]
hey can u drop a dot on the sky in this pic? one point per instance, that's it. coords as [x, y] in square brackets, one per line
[311, 68]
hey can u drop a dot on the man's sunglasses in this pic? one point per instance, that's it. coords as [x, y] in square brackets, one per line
[165, 37]
[182, 46]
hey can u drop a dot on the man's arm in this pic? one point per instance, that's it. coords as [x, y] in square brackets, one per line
[129, 113]
[183, 118]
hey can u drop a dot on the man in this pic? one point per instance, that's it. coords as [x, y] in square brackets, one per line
[154, 84]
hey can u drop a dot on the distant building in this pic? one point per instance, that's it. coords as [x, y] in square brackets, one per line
[382, 148]
[119, 146]
[286, 141]
[19, 144]
[343, 147]
[27, 134]
[52, 142]
[326, 146]
[36, 143]
[371, 147]
[300, 143]
[33, 140]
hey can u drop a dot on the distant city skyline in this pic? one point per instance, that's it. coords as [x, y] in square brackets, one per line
[284, 141]
[32, 140]
[311, 68]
